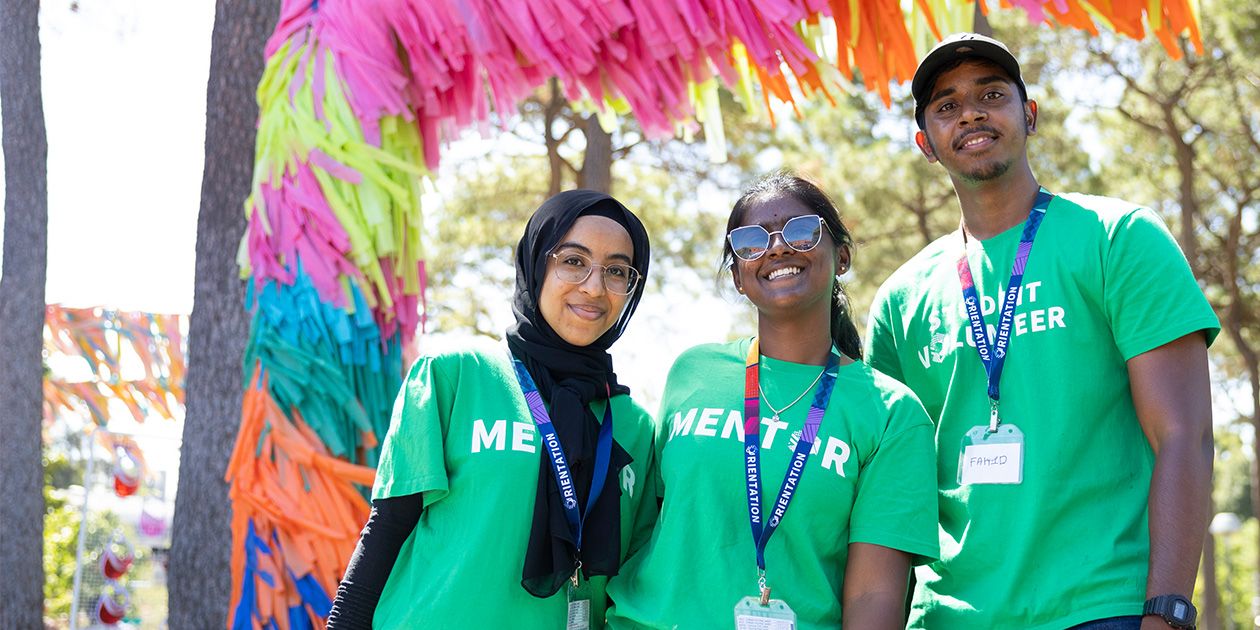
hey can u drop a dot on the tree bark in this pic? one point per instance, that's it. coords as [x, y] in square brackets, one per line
[597, 161]
[218, 328]
[1234, 323]
[1186, 171]
[22, 315]
[982, 25]
[1211, 618]
[1252, 363]
[551, 112]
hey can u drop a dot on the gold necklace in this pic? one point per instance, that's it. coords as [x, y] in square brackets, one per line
[775, 417]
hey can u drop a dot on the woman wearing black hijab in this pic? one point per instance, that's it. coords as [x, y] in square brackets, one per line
[511, 481]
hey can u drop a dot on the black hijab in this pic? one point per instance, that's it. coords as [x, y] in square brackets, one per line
[569, 377]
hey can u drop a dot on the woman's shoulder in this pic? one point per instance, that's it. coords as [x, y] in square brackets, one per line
[703, 367]
[626, 405]
[709, 354]
[457, 356]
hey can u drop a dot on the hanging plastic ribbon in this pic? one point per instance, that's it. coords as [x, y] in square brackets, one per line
[113, 603]
[117, 556]
[124, 485]
[106, 340]
[153, 521]
[128, 468]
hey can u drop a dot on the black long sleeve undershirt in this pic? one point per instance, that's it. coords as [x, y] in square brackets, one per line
[391, 522]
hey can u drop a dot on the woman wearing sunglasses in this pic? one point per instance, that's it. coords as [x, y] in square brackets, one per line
[512, 479]
[812, 510]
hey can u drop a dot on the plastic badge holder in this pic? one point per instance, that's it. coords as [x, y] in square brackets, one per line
[751, 615]
[579, 609]
[1005, 445]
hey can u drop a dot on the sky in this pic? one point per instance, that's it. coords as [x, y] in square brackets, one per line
[124, 89]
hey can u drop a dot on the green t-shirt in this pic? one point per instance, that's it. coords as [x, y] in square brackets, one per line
[869, 479]
[463, 436]
[1104, 282]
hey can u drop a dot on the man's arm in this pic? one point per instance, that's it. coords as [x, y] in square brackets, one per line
[875, 581]
[1172, 396]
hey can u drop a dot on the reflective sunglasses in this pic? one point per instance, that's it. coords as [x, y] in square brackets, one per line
[575, 268]
[801, 233]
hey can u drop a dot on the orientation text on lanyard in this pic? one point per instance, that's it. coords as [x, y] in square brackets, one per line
[752, 450]
[559, 463]
[994, 357]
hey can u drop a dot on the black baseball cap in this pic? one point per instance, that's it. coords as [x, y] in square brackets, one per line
[953, 48]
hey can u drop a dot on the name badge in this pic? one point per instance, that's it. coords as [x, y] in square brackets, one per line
[992, 457]
[776, 615]
[578, 616]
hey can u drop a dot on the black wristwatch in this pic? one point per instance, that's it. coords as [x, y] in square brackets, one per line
[1175, 610]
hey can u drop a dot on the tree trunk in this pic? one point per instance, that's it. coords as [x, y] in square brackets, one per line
[982, 25]
[1253, 378]
[1211, 618]
[1185, 189]
[551, 112]
[22, 316]
[1234, 322]
[920, 210]
[597, 161]
[201, 537]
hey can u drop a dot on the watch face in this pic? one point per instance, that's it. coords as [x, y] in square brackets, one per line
[1180, 610]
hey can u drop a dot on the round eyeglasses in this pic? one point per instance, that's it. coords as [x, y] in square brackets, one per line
[575, 268]
[801, 233]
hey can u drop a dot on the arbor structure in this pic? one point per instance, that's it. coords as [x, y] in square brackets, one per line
[22, 313]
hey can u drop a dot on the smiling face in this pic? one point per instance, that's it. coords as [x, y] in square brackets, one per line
[784, 280]
[976, 124]
[581, 313]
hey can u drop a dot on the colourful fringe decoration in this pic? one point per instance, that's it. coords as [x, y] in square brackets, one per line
[355, 103]
[333, 254]
[297, 514]
[102, 338]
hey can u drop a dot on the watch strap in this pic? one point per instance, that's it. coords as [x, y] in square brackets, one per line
[1175, 609]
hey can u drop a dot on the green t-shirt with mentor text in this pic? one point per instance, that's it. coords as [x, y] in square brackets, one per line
[462, 436]
[869, 479]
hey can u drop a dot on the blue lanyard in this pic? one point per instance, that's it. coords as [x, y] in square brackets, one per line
[559, 463]
[752, 449]
[994, 357]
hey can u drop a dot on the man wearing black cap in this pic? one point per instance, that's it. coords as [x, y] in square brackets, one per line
[1068, 381]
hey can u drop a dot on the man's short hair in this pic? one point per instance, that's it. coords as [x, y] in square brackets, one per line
[951, 52]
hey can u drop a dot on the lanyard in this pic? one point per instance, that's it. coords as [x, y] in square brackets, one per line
[559, 463]
[994, 357]
[752, 449]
